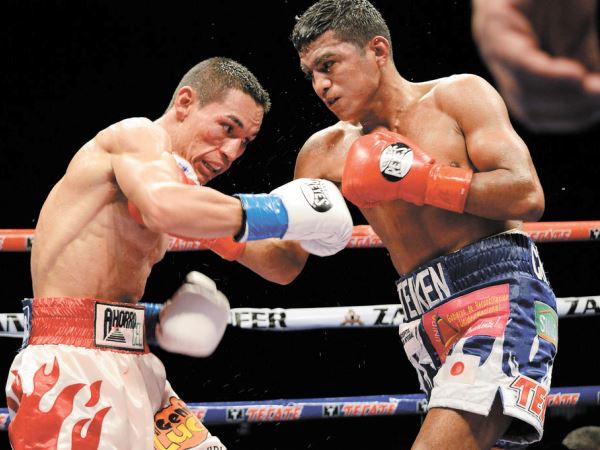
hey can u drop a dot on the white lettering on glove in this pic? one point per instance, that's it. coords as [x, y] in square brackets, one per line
[194, 320]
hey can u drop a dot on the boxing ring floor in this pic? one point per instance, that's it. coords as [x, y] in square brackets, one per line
[359, 381]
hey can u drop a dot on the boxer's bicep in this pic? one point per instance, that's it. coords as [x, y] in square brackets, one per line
[491, 141]
[505, 184]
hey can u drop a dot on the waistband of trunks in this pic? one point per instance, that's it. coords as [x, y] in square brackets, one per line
[499, 256]
[85, 322]
[476, 262]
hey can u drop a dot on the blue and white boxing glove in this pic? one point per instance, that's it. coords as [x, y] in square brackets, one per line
[309, 210]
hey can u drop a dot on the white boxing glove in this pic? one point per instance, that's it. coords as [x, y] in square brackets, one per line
[194, 320]
[310, 210]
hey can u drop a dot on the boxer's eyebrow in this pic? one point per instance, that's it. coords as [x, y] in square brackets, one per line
[235, 119]
[316, 63]
[324, 56]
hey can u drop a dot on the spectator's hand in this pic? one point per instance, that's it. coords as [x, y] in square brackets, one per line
[545, 58]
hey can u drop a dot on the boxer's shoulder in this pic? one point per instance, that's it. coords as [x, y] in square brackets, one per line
[457, 91]
[132, 134]
[333, 135]
[323, 154]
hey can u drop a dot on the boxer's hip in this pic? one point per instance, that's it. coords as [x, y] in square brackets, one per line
[85, 322]
[84, 361]
[498, 257]
[480, 321]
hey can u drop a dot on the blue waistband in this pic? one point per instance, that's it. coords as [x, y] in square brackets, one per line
[496, 257]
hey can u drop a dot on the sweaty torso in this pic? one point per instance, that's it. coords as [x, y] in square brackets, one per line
[86, 244]
[412, 234]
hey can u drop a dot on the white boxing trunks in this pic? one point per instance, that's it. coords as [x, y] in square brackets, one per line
[85, 379]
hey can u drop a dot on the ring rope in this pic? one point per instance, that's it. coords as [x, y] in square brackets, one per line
[222, 413]
[363, 236]
[292, 319]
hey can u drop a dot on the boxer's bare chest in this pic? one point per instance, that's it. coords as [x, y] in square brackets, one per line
[435, 132]
[432, 130]
[412, 233]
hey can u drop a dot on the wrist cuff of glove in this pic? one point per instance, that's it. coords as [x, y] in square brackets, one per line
[264, 216]
[151, 319]
[448, 187]
[225, 247]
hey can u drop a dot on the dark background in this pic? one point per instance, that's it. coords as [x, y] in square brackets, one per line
[72, 68]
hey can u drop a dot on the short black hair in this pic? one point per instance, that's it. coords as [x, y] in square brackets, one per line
[354, 21]
[213, 77]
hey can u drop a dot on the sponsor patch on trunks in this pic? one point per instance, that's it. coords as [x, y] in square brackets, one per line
[119, 327]
[530, 396]
[483, 312]
[176, 427]
[546, 323]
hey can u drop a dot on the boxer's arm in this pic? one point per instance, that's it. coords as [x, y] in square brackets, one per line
[275, 260]
[317, 218]
[149, 177]
[383, 166]
[306, 210]
[282, 261]
[505, 184]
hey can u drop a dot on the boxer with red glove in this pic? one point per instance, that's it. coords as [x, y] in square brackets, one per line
[383, 166]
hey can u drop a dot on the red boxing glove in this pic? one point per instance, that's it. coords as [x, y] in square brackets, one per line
[384, 166]
[225, 247]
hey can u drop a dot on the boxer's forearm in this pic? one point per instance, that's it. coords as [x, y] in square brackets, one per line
[274, 260]
[184, 210]
[505, 195]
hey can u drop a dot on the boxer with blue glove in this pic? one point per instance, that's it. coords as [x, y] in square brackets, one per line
[311, 211]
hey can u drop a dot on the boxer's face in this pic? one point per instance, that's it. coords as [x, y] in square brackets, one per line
[219, 132]
[342, 75]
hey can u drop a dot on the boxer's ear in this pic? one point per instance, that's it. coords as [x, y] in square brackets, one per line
[185, 99]
[380, 46]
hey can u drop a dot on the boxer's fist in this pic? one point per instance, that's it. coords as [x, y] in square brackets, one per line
[194, 320]
[309, 210]
[384, 166]
[318, 215]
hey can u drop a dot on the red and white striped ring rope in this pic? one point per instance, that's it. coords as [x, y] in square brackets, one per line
[363, 236]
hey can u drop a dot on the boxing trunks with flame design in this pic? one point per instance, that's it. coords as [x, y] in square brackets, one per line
[86, 379]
